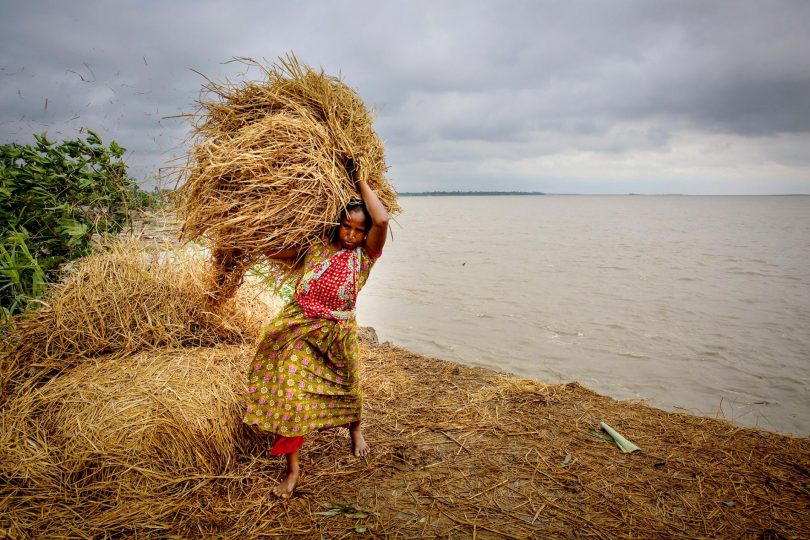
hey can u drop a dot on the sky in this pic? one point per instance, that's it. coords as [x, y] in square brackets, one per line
[567, 96]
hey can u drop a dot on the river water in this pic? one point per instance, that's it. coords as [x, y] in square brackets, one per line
[692, 303]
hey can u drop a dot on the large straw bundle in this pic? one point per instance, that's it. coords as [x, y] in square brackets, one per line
[269, 166]
[126, 299]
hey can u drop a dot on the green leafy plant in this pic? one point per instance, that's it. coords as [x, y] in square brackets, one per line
[54, 199]
[21, 277]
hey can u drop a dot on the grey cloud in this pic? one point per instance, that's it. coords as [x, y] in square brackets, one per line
[450, 80]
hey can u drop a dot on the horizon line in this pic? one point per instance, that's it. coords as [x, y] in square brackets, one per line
[439, 193]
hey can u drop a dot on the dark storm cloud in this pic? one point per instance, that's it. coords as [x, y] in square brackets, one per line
[735, 69]
[468, 89]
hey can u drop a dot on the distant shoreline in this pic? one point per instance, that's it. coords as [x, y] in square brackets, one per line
[534, 193]
[464, 193]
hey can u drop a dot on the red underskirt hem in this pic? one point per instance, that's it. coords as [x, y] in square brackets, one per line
[288, 445]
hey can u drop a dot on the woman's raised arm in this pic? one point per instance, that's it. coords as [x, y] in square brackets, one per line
[379, 220]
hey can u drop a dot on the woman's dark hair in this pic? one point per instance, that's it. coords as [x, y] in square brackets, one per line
[352, 206]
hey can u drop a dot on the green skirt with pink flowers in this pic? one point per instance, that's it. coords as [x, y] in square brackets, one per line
[305, 375]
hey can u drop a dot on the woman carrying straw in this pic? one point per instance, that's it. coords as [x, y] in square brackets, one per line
[305, 374]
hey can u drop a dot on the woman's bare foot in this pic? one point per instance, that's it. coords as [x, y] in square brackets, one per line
[285, 488]
[360, 447]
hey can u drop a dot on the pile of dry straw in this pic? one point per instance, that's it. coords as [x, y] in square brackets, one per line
[269, 167]
[129, 298]
[122, 393]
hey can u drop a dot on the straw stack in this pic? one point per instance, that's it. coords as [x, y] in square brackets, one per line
[270, 165]
[126, 299]
[123, 441]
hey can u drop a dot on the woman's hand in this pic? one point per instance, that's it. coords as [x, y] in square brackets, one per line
[351, 168]
[376, 236]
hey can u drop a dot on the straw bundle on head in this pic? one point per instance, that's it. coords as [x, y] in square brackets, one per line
[123, 300]
[269, 169]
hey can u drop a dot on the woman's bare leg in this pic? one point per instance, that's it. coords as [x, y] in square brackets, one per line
[359, 445]
[285, 488]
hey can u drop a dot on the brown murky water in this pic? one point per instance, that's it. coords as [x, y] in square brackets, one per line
[695, 303]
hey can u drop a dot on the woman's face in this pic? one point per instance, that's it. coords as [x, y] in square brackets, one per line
[352, 230]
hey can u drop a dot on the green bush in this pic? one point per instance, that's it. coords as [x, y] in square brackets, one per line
[54, 198]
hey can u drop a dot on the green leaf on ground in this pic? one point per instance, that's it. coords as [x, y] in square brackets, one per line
[599, 435]
[350, 511]
[357, 515]
[330, 513]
